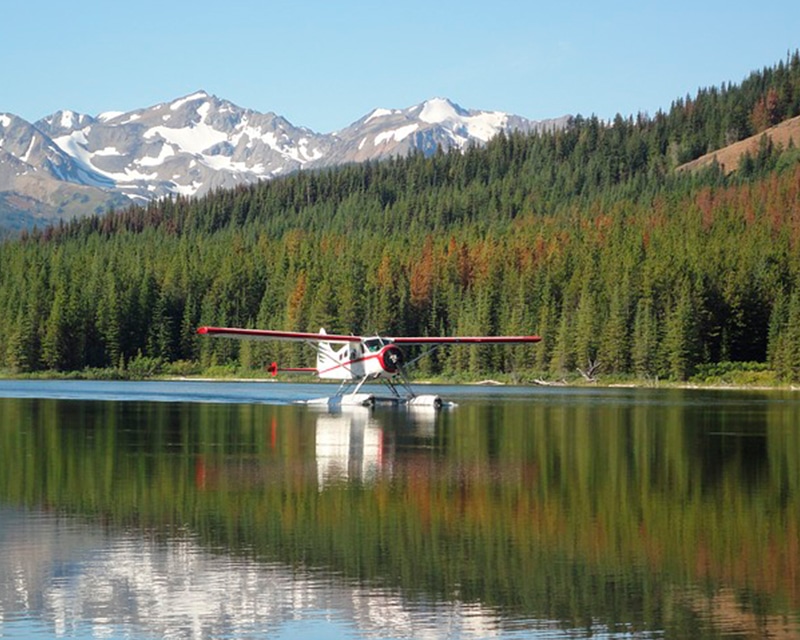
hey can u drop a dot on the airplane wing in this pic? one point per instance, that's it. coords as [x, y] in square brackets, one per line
[300, 336]
[266, 334]
[466, 340]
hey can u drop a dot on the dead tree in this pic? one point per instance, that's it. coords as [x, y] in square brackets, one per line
[589, 374]
[547, 383]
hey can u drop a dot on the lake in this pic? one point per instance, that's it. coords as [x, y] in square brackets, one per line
[226, 510]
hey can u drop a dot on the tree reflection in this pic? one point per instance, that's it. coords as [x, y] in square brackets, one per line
[671, 511]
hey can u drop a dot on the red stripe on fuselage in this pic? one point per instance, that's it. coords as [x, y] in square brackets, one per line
[348, 363]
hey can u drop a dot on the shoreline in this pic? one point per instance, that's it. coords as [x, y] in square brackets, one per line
[486, 382]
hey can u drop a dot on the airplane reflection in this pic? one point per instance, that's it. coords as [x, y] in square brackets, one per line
[351, 444]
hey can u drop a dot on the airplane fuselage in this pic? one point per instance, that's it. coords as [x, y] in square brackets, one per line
[374, 358]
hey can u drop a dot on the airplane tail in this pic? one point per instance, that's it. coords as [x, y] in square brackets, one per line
[332, 363]
[325, 354]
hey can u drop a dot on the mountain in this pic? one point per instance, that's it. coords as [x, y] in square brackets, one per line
[40, 181]
[71, 164]
[423, 127]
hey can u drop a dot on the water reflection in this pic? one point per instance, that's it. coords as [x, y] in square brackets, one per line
[74, 580]
[349, 446]
[618, 513]
[351, 441]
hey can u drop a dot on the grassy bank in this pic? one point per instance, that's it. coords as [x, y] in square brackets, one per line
[734, 375]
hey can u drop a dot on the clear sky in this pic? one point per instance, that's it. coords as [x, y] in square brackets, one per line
[325, 63]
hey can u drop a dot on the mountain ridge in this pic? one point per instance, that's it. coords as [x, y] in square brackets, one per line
[729, 158]
[69, 164]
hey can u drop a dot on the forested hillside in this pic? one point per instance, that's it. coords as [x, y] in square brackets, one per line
[586, 236]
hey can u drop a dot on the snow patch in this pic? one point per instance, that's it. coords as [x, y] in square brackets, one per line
[108, 151]
[193, 139]
[483, 125]
[486, 125]
[69, 119]
[182, 101]
[130, 175]
[132, 118]
[165, 152]
[437, 111]
[27, 154]
[380, 113]
[253, 134]
[5, 120]
[75, 146]
[397, 134]
[187, 189]
[223, 163]
[306, 154]
[299, 152]
[110, 115]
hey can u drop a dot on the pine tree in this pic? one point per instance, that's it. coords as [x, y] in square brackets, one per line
[56, 339]
[645, 339]
[23, 346]
[585, 345]
[791, 339]
[562, 359]
[614, 351]
[777, 346]
[680, 343]
[109, 321]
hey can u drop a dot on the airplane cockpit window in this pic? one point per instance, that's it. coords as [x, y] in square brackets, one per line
[373, 344]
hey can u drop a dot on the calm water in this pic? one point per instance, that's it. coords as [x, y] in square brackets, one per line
[223, 510]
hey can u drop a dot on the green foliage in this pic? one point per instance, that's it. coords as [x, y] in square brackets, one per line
[142, 367]
[735, 373]
[182, 368]
[585, 235]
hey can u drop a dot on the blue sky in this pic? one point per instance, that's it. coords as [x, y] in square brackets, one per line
[325, 63]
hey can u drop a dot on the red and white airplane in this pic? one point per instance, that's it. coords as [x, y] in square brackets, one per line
[360, 359]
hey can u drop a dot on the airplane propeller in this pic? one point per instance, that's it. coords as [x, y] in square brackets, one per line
[392, 358]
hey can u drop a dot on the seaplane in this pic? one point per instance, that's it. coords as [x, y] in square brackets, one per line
[356, 360]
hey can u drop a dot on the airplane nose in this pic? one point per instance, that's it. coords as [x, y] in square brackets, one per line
[391, 359]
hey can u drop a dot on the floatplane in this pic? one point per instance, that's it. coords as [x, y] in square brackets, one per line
[356, 360]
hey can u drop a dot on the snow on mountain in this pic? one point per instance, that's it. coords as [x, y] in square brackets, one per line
[436, 122]
[188, 146]
[199, 142]
[40, 182]
[32, 153]
[62, 121]
[482, 125]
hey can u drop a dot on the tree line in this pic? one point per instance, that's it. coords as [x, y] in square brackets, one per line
[587, 236]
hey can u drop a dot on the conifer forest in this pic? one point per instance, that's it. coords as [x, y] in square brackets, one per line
[591, 237]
